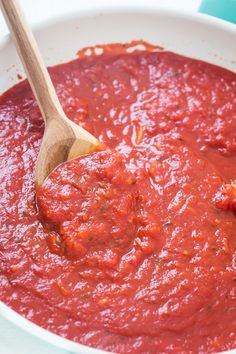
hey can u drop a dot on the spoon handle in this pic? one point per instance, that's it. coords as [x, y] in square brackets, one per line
[31, 58]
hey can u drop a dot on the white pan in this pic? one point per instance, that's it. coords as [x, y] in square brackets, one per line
[194, 35]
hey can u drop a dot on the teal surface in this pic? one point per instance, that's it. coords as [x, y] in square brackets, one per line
[225, 9]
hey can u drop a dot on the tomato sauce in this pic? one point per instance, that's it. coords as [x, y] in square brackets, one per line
[131, 249]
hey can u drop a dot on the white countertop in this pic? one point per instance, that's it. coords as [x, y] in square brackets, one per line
[12, 339]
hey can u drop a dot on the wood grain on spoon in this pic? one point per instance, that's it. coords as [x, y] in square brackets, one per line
[63, 139]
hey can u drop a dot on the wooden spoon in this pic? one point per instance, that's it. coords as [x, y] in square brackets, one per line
[63, 139]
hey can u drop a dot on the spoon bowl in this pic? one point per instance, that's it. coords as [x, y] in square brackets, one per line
[63, 140]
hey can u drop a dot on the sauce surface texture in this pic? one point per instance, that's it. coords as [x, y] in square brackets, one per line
[132, 249]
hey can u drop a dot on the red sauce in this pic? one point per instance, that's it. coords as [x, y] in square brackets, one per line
[134, 248]
[91, 203]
